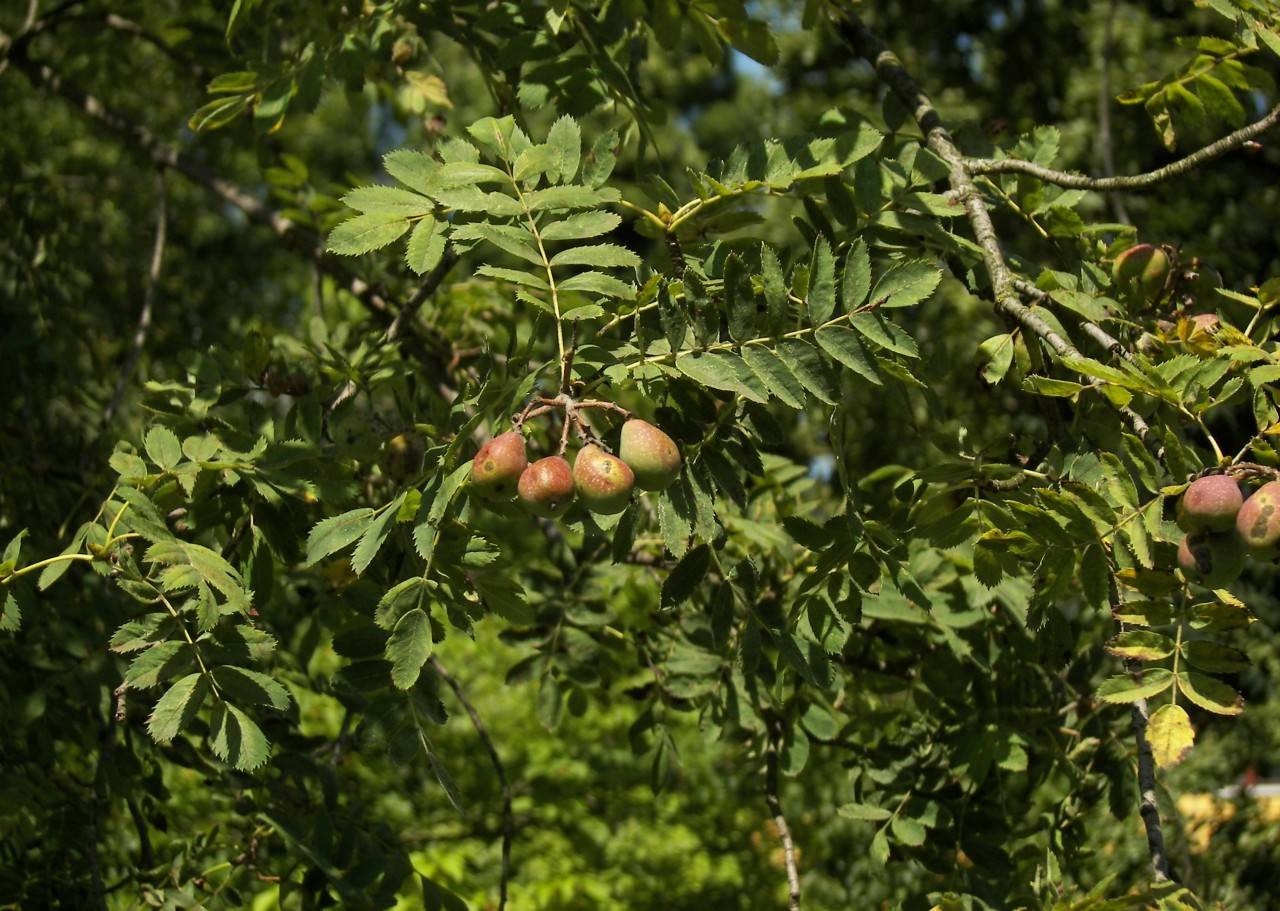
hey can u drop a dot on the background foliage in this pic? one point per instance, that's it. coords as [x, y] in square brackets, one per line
[270, 274]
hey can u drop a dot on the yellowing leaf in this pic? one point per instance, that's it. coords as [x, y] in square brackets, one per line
[1170, 734]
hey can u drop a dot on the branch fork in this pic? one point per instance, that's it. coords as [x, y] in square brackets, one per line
[571, 408]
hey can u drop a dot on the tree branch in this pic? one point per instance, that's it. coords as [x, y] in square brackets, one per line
[508, 819]
[784, 831]
[1066, 179]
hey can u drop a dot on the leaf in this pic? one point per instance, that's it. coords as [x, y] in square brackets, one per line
[843, 344]
[1210, 694]
[907, 831]
[412, 168]
[804, 362]
[515, 276]
[549, 702]
[158, 662]
[332, 534]
[366, 233]
[426, 246]
[565, 139]
[997, 355]
[602, 255]
[599, 283]
[571, 197]
[10, 613]
[388, 200]
[455, 174]
[905, 285]
[409, 647]
[175, 709]
[1212, 657]
[774, 374]
[863, 811]
[1170, 734]
[371, 541]
[721, 370]
[856, 280]
[685, 577]
[218, 113]
[581, 226]
[1141, 645]
[598, 164]
[236, 738]
[820, 301]
[885, 334]
[1124, 688]
[672, 316]
[253, 687]
[163, 447]
[535, 161]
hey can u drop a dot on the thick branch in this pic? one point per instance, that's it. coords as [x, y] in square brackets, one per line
[1214, 150]
[508, 819]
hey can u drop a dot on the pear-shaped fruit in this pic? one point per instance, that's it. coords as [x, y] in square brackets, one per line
[546, 487]
[1258, 521]
[603, 481]
[1210, 504]
[1142, 270]
[650, 454]
[1213, 560]
[497, 467]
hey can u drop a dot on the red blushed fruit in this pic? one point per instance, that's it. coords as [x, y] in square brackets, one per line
[546, 487]
[1210, 504]
[1258, 522]
[1143, 270]
[498, 465]
[603, 481]
[650, 453]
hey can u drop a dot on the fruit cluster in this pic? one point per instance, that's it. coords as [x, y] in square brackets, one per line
[647, 458]
[1223, 528]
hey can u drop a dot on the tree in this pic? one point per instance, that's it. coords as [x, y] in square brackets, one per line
[914, 622]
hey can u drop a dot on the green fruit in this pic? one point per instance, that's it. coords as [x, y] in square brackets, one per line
[1213, 560]
[1210, 504]
[1142, 270]
[546, 487]
[497, 467]
[1258, 522]
[650, 454]
[603, 481]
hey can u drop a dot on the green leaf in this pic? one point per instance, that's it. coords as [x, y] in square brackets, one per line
[371, 541]
[515, 276]
[907, 831]
[885, 334]
[863, 811]
[426, 246]
[412, 168]
[10, 613]
[599, 283]
[535, 161]
[581, 226]
[997, 355]
[248, 686]
[566, 139]
[599, 162]
[775, 288]
[721, 370]
[398, 600]
[177, 707]
[601, 255]
[820, 300]
[389, 200]
[1212, 657]
[685, 577]
[1210, 694]
[571, 197]
[332, 534]
[218, 113]
[774, 374]
[366, 233]
[504, 595]
[236, 738]
[856, 280]
[549, 702]
[163, 447]
[675, 325]
[1124, 688]
[456, 174]
[804, 362]
[905, 285]
[409, 647]
[843, 344]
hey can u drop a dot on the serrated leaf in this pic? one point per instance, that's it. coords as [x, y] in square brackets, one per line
[332, 534]
[569, 197]
[843, 344]
[1212, 657]
[775, 287]
[906, 284]
[863, 811]
[412, 168]
[685, 577]
[236, 738]
[722, 370]
[372, 540]
[1141, 645]
[774, 374]
[599, 283]
[366, 233]
[248, 686]
[820, 301]
[426, 246]
[581, 226]
[1124, 688]
[907, 831]
[856, 279]
[454, 174]
[175, 709]
[163, 447]
[158, 662]
[10, 614]
[1210, 694]
[535, 161]
[388, 200]
[1170, 734]
[598, 164]
[515, 276]
[884, 333]
[601, 255]
[409, 647]
[398, 600]
[566, 139]
[806, 365]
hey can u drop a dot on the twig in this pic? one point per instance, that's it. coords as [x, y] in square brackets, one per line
[148, 302]
[508, 818]
[780, 820]
[1093, 330]
[1066, 179]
